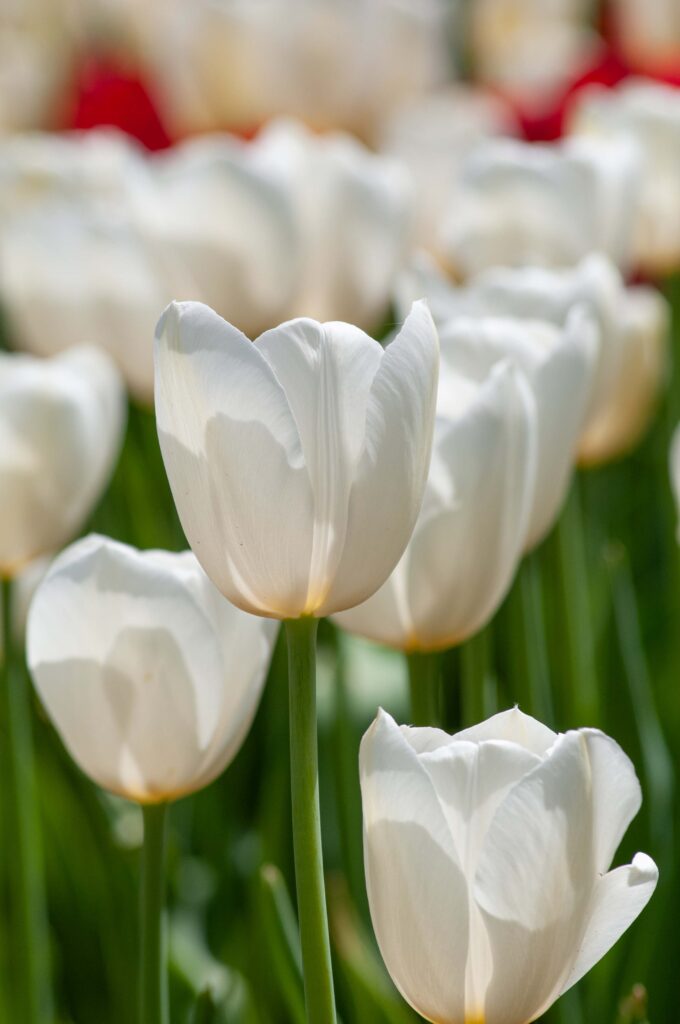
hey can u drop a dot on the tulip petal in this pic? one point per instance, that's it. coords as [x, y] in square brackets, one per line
[392, 470]
[416, 889]
[514, 727]
[462, 560]
[616, 794]
[326, 371]
[233, 456]
[619, 897]
[534, 882]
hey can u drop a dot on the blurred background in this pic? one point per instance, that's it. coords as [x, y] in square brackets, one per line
[284, 157]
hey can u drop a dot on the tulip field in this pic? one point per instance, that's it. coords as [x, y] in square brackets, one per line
[339, 512]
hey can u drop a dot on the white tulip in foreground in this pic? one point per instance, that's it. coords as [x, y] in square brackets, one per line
[473, 524]
[61, 426]
[297, 462]
[149, 675]
[487, 862]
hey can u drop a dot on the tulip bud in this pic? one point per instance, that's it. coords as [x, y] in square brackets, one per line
[297, 462]
[472, 527]
[150, 677]
[487, 860]
[61, 426]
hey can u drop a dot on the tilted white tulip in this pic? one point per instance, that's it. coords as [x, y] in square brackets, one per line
[150, 676]
[521, 204]
[363, 201]
[647, 113]
[559, 367]
[297, 462]
[487, 860]
[61, 426]
[632, 326]
[473, 524]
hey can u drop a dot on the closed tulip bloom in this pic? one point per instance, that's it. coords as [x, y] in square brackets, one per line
[61, 426]
[472, 528]
[648, 31]
[558, 364]
[623, 419]
[297, 462]
[520, 204]
[487, 860]
[150, 677]
[364, 201]
[648, 114]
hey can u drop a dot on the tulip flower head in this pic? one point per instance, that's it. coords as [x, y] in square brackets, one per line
[297, 462]
[61, 426]
[487, 860]
[473, 524]
[150, 677]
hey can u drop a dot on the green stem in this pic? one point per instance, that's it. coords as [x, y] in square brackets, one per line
[29, 911]
[304, 773]
[424, 676]
[535, 642]
[577, 613]
[153, 987]
[475, 681]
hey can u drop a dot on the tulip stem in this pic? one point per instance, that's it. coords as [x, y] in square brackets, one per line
[304, 773]
[30, 929]
[577, 613]
[535, 640]
[424, 674]
[153, 987]
[474, 663]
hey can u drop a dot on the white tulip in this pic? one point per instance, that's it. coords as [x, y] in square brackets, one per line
[622, 420]
[363, 201]
[61, 426]
[73, 272]
[632, 326]
[472, 528]
[559, 367]
[433, 135]
[648, 114]
[150, 677]
[221, 229]
[336, 65]
[531, 49]
[487, 862]
[521, 204]
[649, 33]
[298, 462]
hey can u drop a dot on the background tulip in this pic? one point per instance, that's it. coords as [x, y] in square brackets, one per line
[648, 114]
[487, 859]
[520, 204]
[636, 387]
[559, 368]
[149, 675]
[61, 425]
[313, 420]
[472, 527]
[365, 201]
